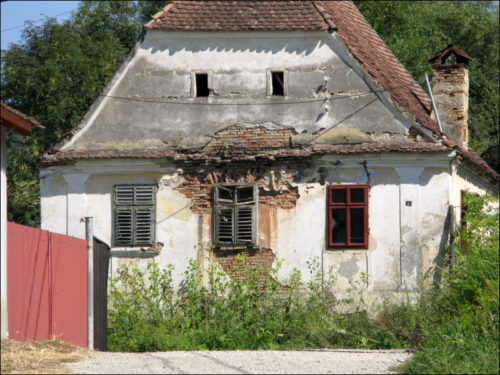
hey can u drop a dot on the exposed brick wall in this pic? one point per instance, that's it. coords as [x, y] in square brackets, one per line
[450, 86]
[275, 184]
[260, 259]
[249, 139]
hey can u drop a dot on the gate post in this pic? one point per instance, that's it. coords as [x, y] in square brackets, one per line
[89, 236]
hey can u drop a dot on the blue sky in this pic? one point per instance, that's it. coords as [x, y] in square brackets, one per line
[15, 13]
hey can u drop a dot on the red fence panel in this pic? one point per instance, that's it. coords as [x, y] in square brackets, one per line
[46, 285]
[69, 296]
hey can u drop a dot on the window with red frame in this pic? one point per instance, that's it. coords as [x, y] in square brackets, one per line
[347, 216]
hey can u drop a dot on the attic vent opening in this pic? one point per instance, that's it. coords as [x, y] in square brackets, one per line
[278, 87]
[201, 84]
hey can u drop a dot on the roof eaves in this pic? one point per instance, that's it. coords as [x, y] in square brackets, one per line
[159, 14]
[21, 115]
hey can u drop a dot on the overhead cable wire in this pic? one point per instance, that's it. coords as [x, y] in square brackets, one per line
[344, 119]
[316, 100]
[40, 20]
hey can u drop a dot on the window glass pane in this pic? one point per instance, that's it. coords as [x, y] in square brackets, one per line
[357, 225]
[357, 195]
[338, 195]
[339, 226]
[244, 194]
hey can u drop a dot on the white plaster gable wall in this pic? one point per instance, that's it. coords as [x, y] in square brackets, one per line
[238, 65]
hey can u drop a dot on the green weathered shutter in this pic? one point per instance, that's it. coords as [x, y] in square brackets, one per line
[224, 225]
[134, 215]
[244, 224]
[143, 226]
[124, 228]
[234, 217]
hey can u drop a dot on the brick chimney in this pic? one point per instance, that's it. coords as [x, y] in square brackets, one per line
[450, 87]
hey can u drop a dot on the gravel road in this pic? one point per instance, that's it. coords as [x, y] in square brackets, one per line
[244, 362]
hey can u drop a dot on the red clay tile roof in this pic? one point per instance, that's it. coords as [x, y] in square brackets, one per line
[238, 16]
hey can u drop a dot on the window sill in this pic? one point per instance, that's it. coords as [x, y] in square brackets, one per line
[133, 253]
[235, 248]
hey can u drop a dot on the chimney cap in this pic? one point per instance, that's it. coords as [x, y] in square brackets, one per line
[440, 57]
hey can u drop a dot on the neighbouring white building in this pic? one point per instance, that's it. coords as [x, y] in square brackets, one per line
[284, 130]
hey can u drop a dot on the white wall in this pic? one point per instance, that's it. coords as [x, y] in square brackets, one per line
[405, 240]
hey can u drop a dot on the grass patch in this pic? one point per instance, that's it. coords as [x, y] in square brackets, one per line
[39, 357]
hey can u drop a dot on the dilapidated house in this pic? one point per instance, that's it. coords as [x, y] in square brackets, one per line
[283, 130]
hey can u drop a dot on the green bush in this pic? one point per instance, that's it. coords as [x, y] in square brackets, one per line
[460, 319]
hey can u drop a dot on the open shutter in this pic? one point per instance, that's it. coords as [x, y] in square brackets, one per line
[224, 233]
[124, 217]
[244, 224]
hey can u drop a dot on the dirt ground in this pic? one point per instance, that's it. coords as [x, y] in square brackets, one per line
[244, 362]
[39, 357]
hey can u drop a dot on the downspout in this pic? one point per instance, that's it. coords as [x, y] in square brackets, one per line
[89, 235]
[452, 205]
[434, 105]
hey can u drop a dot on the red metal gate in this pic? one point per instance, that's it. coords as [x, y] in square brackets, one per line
[46, 285]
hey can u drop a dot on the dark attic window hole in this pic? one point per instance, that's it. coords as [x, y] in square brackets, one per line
[202, 85]
[277, 83]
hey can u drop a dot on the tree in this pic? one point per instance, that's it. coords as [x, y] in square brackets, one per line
[59, 69]
[54, 75]
[416, 30]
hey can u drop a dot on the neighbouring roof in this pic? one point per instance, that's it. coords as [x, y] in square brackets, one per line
[18, 121]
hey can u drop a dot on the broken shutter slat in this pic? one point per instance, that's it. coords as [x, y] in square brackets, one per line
[225, 225]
